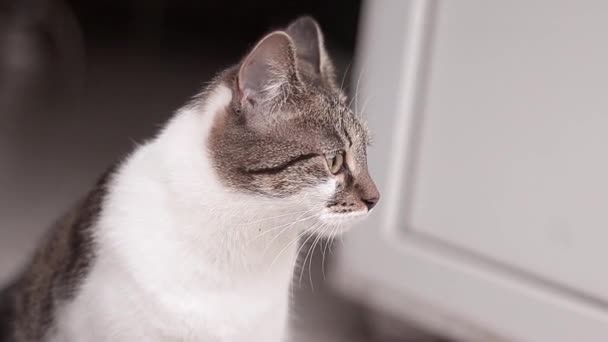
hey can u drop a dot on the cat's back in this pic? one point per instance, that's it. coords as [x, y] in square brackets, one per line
[29, 306]
[7, 314]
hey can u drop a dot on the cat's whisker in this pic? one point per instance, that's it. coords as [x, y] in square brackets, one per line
[287, 225]
[356, 96]
[284, 230]
[361, 75]
[327, 242]
[275, 217]
[298, 254]
[334, 232]
[307, 253]
[291, 243]
[344, 76]
[363, 108]
[320, 236]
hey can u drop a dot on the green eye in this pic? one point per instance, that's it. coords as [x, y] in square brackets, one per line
[335, 161]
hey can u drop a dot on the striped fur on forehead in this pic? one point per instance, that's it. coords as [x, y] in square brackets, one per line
[324, 106]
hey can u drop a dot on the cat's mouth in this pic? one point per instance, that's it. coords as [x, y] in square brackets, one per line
[341, 218]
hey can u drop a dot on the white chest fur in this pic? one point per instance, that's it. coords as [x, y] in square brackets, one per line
[180, 258]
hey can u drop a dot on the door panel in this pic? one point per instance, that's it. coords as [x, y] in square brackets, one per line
[490, 125]
[513, 145]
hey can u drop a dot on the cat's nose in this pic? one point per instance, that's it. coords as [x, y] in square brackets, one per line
[370, 202]
[368, 193]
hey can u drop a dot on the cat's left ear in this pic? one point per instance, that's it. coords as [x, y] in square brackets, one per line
[310, 47]
[268, 73]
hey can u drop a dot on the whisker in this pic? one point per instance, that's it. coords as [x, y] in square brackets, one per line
[364, 107]
[344, 76]
[357, 93]
[291, 243]
[298, 254]
[306, 256]
[284, 230]
[303, 264]
[333, 237]
[327, 242]
[275, 217]
[356, 96]
[320, 236]
[288, 224]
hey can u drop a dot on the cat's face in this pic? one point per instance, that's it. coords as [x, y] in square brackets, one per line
[289, 133]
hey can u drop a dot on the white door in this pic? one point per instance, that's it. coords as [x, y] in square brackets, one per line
[491, 150]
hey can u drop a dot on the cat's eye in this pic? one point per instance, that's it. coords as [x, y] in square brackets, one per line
[335, 161]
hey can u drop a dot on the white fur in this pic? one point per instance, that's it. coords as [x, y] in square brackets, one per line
[180, 257]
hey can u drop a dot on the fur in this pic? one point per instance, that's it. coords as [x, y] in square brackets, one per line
[194, 236]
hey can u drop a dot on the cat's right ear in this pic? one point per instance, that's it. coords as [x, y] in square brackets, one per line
[310, 48]
[268, 73]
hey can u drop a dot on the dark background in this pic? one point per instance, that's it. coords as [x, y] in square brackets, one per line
[138, 60]
[233, 24]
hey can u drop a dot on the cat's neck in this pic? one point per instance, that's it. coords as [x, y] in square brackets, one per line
[168, 218]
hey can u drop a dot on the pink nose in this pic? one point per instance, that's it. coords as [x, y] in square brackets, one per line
[371, 202]
[368, 193]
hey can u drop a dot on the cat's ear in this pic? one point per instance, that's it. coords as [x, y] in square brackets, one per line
[310, 47]
[268, 73]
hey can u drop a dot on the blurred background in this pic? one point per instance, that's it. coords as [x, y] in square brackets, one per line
[491, 135]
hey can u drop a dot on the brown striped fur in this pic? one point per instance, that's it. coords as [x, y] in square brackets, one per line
[53, 276]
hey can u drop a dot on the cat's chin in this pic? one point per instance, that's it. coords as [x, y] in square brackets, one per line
[340, 222]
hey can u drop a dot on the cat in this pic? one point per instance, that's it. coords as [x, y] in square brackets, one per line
[194, 236]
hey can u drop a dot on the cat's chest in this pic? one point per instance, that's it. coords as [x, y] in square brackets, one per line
[238, 316]
[126, 312]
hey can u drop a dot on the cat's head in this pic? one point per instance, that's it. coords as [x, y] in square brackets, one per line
[289, 132]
